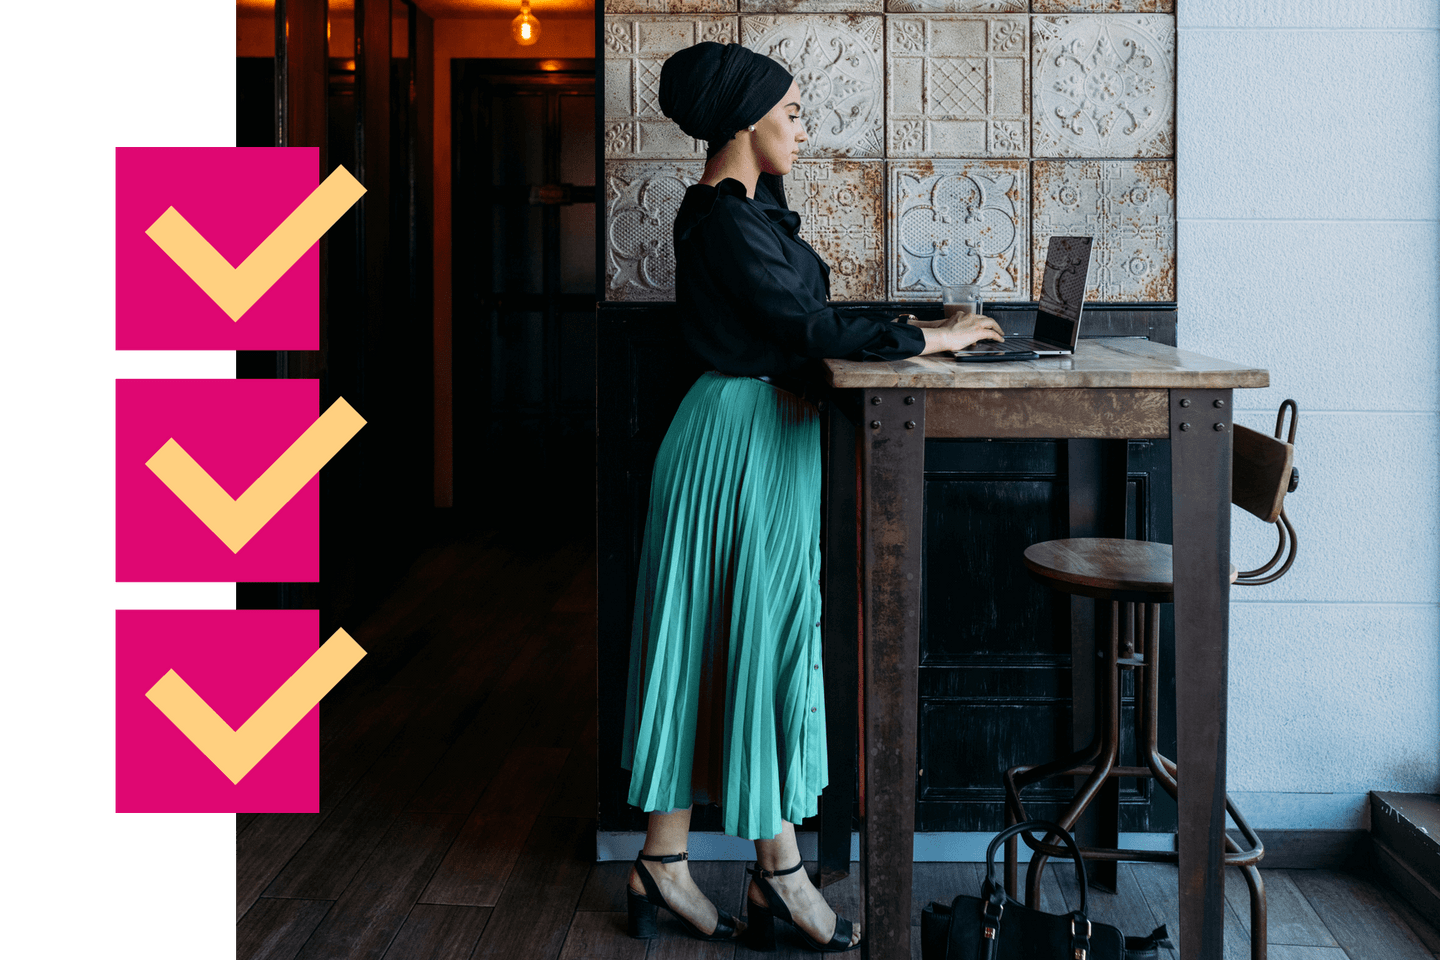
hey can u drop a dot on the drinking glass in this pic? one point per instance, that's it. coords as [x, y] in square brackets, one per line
[961, 296]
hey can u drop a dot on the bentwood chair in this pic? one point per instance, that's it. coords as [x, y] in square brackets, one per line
[1136, 577]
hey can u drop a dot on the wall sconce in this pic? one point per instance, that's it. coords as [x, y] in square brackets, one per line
[525, 27]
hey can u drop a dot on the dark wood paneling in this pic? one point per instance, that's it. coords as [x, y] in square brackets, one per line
[301, 51]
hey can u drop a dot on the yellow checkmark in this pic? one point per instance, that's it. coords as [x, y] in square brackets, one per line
[235, 289]
[236, 752]
[235, 521]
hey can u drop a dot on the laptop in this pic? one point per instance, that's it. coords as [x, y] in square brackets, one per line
[1062, 299]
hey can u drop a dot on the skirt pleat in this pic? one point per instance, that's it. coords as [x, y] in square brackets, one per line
[725, 700]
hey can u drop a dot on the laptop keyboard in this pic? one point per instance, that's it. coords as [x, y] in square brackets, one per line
[1011, 345]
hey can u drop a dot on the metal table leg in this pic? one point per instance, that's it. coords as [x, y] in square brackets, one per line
[1200, 438]
[892, 466]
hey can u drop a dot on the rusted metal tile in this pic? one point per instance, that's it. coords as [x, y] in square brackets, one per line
[811, 6]
[958, 221]
[1103, 6]
[669, 6]
[841, 204]
[957, 86]
[641, 199]
[1128, 206]
[635, 50]
[1104, 86]
[1049, 412]
[837, 61]
[956, 6]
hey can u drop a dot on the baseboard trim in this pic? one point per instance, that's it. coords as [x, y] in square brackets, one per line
[1284, 849]
[1312, 849]
[929, 847]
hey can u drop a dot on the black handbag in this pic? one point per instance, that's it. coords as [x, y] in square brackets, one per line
[994, 927]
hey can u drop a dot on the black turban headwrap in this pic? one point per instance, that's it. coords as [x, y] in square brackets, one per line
[713, 90]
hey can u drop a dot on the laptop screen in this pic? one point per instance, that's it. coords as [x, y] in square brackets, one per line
[1062, 290]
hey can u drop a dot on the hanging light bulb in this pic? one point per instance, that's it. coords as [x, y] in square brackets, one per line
[525, 27]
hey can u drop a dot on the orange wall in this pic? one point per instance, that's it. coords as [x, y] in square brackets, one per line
[572, 37]
[255, 37]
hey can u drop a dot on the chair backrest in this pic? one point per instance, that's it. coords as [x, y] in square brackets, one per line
[1262, 473]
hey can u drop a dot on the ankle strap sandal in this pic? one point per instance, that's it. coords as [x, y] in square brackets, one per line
[760, 934]
[643, 907]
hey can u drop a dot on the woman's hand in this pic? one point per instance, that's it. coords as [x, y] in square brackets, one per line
[959, 331]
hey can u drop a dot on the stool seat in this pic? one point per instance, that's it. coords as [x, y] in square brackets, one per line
[1135, 571]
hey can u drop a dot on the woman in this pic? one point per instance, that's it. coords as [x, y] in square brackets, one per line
[725, 701]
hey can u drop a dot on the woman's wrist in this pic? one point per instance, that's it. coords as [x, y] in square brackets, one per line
[937, 340]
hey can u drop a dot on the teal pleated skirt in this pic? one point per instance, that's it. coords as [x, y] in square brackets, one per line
[726, 702]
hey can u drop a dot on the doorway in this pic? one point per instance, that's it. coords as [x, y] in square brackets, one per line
[525, 284]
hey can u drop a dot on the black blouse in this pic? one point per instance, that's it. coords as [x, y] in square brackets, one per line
[753, 295]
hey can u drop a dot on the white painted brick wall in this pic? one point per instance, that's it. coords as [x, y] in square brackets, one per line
[1308, 152]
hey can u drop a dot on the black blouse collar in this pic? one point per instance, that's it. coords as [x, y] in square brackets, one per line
[700, 200]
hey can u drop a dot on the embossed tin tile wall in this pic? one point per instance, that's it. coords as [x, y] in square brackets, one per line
[949, 139]
[641, 199]
[837, 63]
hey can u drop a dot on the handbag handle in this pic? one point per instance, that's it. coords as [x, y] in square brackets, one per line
[1030, 826]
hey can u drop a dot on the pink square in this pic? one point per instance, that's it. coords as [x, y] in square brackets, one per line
[234, 430]
[234, 660]
[234, 197]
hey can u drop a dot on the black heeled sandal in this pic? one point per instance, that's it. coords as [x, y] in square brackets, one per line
[643, 908]
[760, 933]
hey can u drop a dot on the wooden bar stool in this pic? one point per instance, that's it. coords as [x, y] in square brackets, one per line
[1136, 577]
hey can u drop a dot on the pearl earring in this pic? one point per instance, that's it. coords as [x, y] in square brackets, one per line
[752, 128]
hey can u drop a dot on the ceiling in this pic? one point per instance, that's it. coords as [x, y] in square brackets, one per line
[446, 9]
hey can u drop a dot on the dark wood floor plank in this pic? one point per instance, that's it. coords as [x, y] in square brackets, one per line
[941, 882]
[1290, 918]
[569, 690]
[262, 851]
[437, 932]
[1358, 915]
[478, 862]
[1126, 908]
[534, 912]
[578, 792]
[433, 719]
[685, 948]
[605, 888]
[1159, 883]
[369, 913]
[331, 856]
[477, 753]
[277, 929]
[488, 605]
[580, 594]
[601, 936]
[272, 840]
[269, 843]
[1286, 951]
[395, 636]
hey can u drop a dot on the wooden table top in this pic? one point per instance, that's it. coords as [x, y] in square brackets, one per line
[1100, 362]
